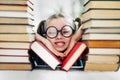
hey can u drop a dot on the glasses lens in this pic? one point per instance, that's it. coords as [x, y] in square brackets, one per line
[67, 31]
[51, 32]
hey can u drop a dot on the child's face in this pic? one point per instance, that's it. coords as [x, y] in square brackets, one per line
[59, 42]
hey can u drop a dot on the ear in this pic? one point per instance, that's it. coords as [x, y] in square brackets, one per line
[41, 28]
[78, 20]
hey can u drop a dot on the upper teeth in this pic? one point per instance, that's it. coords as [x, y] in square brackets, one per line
[60, 43]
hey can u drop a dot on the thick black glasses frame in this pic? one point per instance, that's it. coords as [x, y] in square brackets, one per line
[73, 30]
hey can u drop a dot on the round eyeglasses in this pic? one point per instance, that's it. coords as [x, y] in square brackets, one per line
[66, 31]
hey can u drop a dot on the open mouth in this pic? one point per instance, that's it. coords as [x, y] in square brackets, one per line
[60, 44]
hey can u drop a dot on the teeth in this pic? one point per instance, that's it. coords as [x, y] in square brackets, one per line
[60, 43]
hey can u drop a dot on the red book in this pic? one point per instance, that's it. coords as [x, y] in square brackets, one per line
[46, 55]
[74, 54]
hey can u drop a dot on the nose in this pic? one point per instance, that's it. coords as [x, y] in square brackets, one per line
[59, 36]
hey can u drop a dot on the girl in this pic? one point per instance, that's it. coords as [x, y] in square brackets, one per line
[59, 34]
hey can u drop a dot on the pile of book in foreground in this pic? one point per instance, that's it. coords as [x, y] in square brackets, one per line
[15, 34]
[101, 25]
[46, 59]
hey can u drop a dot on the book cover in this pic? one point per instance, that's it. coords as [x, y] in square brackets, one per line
[106, 59]
[16, 21]
[15, 66]
[101, 36]
[102, 43]
[74, 54]
[15, 8]
[105, 4]
[101, 14]
[45, 54]
[101, 23]
[18, 14]
[101, 67]
[104, 51]
[14, 45]
[17, 37]
[102, 30]
[14, 59]
[13, 52]
[87, 1]
[16, 29]
[14, 2]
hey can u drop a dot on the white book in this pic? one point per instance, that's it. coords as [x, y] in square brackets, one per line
[104, 51]
[103, 30]
[94, 36]
[101, 24]
[103, 59]
[45, 54]
[13, 59]
[101, 14]
[18, 37]
[14, 45]
[16, 20]
[13, 52]
[16, 29]
[15, 14]
[19, 2]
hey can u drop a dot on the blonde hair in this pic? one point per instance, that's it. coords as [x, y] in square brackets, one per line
[59, 15]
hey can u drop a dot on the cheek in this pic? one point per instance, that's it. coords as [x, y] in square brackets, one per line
[51, 40]
[67, 40]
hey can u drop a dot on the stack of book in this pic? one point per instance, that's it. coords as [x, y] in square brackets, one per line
[16, 34]
[101, 25]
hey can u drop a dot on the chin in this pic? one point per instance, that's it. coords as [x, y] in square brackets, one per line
[61, 50]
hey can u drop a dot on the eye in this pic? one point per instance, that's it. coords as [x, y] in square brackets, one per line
[51, 32]
[65, 31]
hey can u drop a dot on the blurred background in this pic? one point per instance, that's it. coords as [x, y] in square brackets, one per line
[44, 8]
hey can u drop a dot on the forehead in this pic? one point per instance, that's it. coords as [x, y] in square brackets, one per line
[59, 22]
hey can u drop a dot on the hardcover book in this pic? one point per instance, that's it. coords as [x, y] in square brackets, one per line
[16, 2]
[102, 36]
[102, 43]
[15, 8]
[74, 54]
[16, 29]
[14, 45]
[49, 58]
[105, 4]
[101, 23]
[14, 21]
[46, 55]
[101, 67]
[104, 51]
[18, 14]
[103, 30]
[17, 37]
[100, 14]
[106, 59]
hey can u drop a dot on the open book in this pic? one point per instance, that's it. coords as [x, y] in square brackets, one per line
[46, 55]
[74, 54]
[49, 58]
